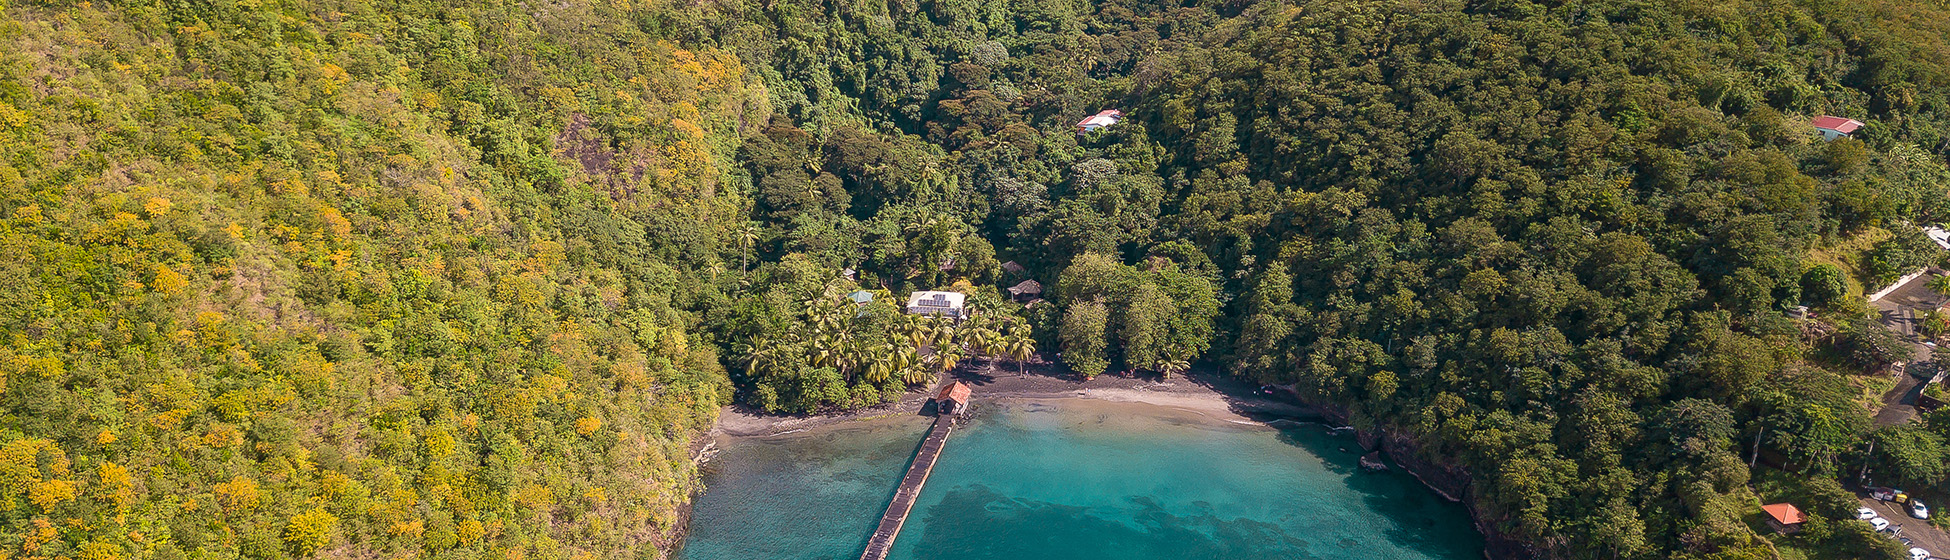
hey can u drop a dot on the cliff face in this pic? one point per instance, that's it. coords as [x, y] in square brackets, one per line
[1452, 482]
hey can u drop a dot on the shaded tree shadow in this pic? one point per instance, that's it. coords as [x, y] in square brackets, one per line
[1420, 517]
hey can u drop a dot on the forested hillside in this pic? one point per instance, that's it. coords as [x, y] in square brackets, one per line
[355, 280]
[426, 278]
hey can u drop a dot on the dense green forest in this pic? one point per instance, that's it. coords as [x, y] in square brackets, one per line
[296, 279]
[423, 278]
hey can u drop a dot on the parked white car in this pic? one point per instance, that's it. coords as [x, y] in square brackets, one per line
[1919, 554]
[1918, 510]
[1879, 524]
[1865, 513]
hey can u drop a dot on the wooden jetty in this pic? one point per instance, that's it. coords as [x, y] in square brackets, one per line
[954, 398]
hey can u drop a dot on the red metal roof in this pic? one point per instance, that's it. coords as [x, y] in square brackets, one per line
[1837, 124]
[956, 391]
[1105, 117]
[1784, 513]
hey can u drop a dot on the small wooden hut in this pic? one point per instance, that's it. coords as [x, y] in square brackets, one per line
[1027, 290]
[953, 398]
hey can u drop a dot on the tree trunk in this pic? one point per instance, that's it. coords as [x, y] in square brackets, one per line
[1756, 458]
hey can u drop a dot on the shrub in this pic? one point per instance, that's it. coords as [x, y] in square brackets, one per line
[1824, 284]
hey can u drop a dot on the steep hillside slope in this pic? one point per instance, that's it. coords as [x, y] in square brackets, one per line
[376, 279]
[354, 279]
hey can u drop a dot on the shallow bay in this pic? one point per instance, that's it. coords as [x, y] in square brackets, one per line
[1072, 479]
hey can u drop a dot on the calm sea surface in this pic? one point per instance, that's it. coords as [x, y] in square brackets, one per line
[1072, 479]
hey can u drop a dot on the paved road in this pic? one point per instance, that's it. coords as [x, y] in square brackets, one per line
[1903, 308]
[1899, 404]
[1916, 530]
[1901, 311]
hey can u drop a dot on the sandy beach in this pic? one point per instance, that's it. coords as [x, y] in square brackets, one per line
[1201, 390]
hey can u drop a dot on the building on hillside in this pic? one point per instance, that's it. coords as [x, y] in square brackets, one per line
[1937, 234]
[1013, 267]
[860, 299]
[1101, 120]
[952, 400]
[1836, 127]
[1784, 517]
[1026, 290]
[941, 304]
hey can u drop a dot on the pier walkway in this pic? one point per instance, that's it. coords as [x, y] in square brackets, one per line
[910, 489]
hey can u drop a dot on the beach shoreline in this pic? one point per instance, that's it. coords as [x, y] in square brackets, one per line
[1135, 405]
[1202, 391]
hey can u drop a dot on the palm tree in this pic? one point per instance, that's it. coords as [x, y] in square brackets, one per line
[903, 358]
[907, 361]
[846, 354]
[1935, 322]
[761, 358]
[853, 354]
[879, 365]
[1940, 284]
[824, 314]
[942, 333]
[1172, 366]
[981, 339]
[947, 356]
[824, 352]
[1020, 347]
[916, 375]
[747, 236]
[916, 332]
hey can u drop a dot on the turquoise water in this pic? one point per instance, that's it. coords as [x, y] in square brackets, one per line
[1072, 479]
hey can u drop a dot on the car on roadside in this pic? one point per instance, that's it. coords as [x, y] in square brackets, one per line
[1919, 554]
[1918, 510]
[1865, 513]
[1879, 524]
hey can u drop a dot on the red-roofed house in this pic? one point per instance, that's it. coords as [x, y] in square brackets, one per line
[1784, 517]
[1102, 119]
[952, 399]
[1836, 127]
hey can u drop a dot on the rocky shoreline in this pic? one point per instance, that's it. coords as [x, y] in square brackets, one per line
[1451, 482]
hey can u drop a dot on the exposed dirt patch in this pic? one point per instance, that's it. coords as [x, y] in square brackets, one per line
[582, 143]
